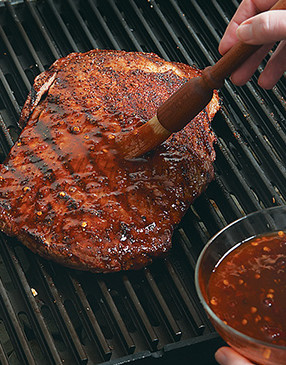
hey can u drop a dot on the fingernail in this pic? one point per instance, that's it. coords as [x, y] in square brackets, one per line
[245, 32]
[220, 356]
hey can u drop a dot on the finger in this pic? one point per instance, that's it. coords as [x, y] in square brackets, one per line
[266, 27]
[247, 9]
[229, 38]
[275, 67]
[241, 75]
[227, 356]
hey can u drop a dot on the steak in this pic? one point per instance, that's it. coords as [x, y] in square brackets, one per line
[64, 190]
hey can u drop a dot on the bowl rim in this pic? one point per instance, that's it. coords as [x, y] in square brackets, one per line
[205, 305]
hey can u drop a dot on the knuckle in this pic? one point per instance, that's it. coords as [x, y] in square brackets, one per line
[264, 25]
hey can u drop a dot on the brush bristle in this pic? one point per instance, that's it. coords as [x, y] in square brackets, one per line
[144, 139]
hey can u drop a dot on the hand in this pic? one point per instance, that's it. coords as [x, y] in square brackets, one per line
[253, 24]
[227, 356]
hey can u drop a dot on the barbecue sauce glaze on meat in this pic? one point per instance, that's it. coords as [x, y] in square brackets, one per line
[64, 191]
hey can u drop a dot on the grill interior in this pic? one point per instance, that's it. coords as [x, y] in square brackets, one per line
[52, 315]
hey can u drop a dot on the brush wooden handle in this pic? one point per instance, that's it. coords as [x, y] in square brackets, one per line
[193, 96]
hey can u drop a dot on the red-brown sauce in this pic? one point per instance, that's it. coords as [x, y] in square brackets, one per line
[247, 289]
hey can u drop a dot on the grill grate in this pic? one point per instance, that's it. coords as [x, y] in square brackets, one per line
[52, 315]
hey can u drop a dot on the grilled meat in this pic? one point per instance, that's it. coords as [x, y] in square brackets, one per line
[65, 192]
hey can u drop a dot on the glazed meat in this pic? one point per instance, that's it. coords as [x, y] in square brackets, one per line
[64, 190]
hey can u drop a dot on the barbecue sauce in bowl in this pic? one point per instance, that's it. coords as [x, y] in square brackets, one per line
[247, 288]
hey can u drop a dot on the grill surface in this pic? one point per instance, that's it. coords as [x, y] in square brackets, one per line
[52, 315]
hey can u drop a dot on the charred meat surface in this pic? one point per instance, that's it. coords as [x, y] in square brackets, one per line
[64, 191]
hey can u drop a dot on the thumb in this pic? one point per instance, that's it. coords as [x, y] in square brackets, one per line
[227, 356]
[267, 27]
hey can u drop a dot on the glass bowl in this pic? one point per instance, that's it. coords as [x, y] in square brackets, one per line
[261, 222]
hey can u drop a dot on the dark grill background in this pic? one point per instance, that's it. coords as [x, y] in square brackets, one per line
[52, 315]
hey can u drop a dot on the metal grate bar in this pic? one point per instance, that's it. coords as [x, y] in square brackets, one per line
[171, 323]
[34, 311]
[63, 27]
[149, 30]
[211, 28]
[42, 28]
[237, 178]
[124, 334]
[26, 39]
[7, 135]
[187, 247]
[90, 320]
[10, 96]
[84, 28]
[19, 338]
[59, 311]
[171, 33]
[186, 300]
[124, 25]
[267, 122]
[199, 46]
[14, 58]
[246, 149]
[107, 32]
[3, 358]
[222, 13]
[151, 335]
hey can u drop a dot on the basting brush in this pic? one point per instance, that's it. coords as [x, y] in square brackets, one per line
[186, 102]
